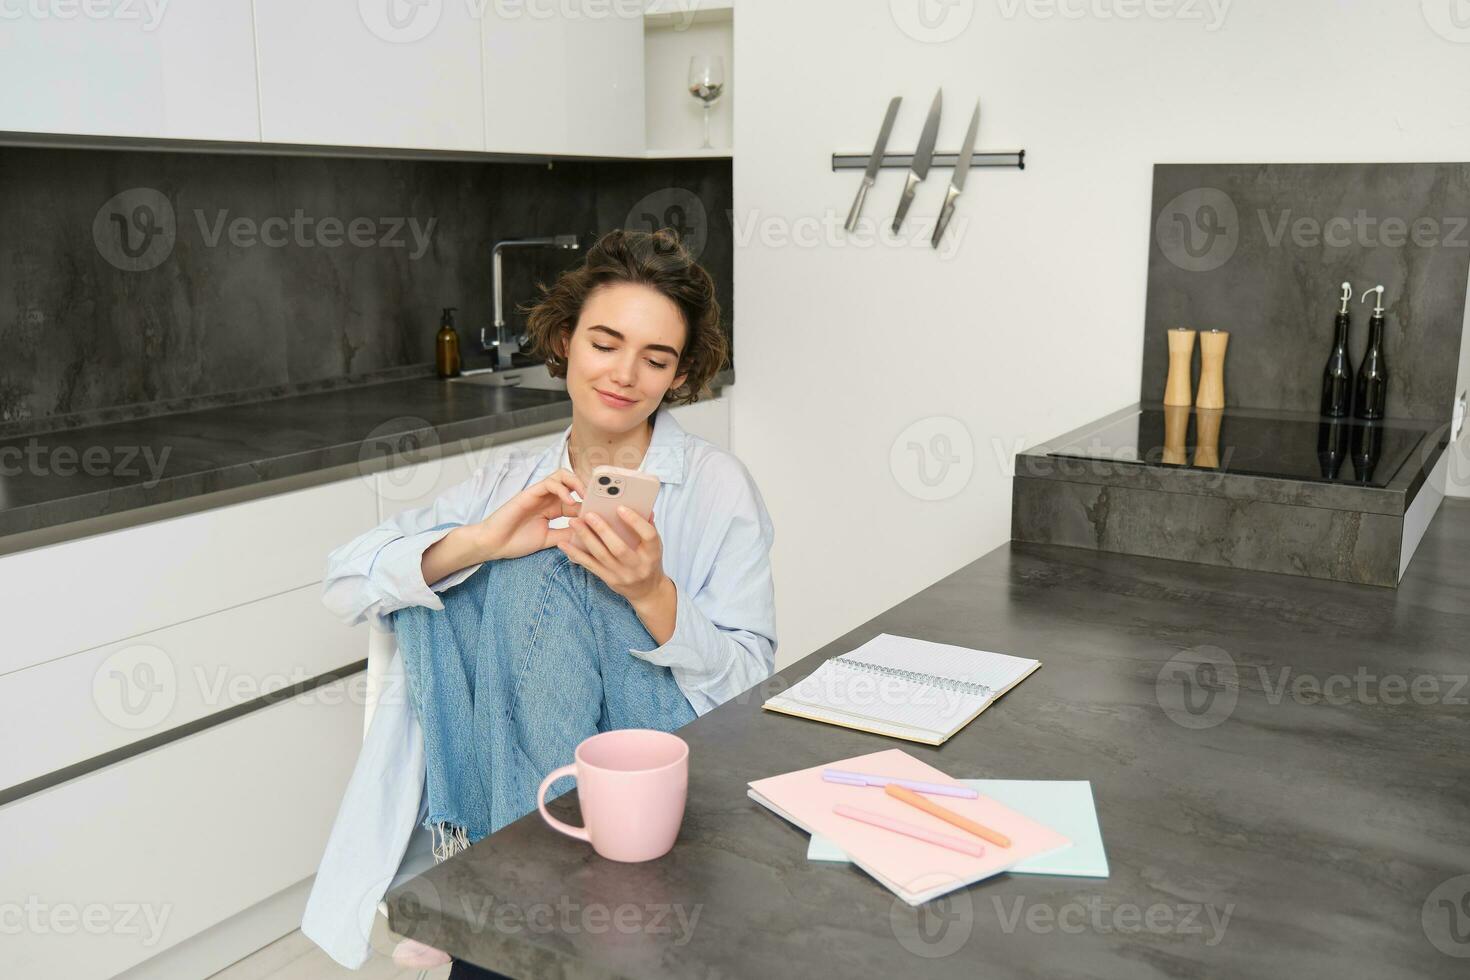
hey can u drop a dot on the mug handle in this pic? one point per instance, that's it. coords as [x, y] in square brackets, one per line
[578, 832]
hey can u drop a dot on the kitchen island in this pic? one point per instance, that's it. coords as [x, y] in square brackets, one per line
[1279, 765]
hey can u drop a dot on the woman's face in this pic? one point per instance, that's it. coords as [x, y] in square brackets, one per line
[623, 355]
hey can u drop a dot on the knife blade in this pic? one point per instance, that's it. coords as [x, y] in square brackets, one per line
[923, 156]
[874, 162]
[957, 180]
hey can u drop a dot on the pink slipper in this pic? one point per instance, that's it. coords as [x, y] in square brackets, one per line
[414, 955]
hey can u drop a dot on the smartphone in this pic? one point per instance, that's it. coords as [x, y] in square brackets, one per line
[614, 486]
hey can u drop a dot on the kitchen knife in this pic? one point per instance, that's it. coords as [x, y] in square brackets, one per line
[957, 181]
[923, 156]
[874, 162]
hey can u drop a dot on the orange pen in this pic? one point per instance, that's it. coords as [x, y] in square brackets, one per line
[948, 816]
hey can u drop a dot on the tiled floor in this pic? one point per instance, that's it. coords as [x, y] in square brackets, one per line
[295, 957]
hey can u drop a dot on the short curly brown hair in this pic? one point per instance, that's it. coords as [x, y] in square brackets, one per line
[658, 260]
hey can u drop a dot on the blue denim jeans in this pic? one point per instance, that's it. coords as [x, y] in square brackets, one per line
[528, 657]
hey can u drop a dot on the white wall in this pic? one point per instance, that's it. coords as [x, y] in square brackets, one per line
[1033, 324]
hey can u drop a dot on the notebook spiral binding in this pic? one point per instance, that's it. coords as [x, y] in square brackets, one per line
[918, 677]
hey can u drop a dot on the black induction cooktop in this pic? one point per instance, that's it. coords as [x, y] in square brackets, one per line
[1348, 451]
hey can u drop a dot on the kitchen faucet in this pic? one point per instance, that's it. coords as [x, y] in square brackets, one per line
[506, 345]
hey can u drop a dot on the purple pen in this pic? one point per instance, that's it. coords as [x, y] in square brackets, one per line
[865, 779]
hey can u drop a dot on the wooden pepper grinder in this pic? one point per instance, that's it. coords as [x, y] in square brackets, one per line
[1181, 358]
[1212, 369]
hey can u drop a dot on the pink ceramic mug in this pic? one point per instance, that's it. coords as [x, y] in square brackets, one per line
[632, 784]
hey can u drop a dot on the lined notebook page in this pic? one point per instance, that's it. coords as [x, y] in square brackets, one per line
[878, 687]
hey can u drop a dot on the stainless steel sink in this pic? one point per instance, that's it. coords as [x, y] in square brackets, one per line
[537, 377]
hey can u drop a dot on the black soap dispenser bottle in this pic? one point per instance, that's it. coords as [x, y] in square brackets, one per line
[1337, 376]
[1371, 396]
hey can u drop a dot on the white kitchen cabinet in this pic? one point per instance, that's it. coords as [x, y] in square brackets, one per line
[564, 77]
[389, 73]
[122, 864]
[178, 70]
[77, 595]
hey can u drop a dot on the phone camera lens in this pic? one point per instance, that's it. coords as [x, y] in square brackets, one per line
[613, 491]
[604, 480]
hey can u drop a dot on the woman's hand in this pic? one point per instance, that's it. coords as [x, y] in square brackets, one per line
[521, 525]
[636, 574]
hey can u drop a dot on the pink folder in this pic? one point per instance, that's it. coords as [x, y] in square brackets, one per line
[914, 870]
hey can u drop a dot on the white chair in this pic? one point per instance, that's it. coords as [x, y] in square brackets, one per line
[419, 856]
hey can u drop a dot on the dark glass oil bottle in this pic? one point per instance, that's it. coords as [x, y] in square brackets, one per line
[1371, 397]
[1337, 376]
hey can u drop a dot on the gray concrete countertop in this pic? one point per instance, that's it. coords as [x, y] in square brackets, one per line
[1295, 808]
[78, 481]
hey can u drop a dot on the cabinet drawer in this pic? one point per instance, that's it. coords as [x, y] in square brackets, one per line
[81, 594]
[119, 865]
[73, 709]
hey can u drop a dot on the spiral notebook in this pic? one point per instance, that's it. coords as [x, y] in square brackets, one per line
[905, 688]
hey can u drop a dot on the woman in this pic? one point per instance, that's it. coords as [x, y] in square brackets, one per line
[522, 629]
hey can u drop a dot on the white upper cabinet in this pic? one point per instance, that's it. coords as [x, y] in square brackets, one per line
[183, 69]
[563, 77]
[392, 73]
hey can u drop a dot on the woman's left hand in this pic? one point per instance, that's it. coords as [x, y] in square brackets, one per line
[633, 573]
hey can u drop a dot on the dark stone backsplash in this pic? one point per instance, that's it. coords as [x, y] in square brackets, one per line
[1260, 250]
[246, 276]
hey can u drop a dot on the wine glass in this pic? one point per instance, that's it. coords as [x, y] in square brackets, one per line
[706, 83]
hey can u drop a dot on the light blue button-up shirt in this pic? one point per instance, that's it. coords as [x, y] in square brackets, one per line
[716, 536]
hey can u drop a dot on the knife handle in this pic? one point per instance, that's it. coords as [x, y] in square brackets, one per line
[945, 213]
[857, 204]
[904, 201]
